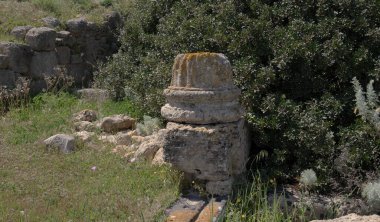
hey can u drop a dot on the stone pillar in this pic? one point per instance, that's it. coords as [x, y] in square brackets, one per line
[205, 136]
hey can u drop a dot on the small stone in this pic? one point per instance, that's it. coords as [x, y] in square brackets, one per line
[137, 139]
[123, 138]
[159, 157]
[85, 115]
[41, 39]
[84, 126]
[4, 61]
[117, 123]
[19, 32]
[63, 34]
[51, 22]
[108, 139]
[62, 142]
[85, 136]
[63, 55]
[149, 147]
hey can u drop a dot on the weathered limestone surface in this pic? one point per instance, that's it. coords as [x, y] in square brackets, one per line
[206, 136]
[4, 61]
[210, 152]
[202, 90]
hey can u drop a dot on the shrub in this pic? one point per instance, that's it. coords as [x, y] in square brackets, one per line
[293, 60]
[308, 178]
[149, 126]
[371, 192]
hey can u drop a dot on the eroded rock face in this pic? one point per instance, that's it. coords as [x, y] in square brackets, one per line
[206, 136]
[209, 152]
[202, 90]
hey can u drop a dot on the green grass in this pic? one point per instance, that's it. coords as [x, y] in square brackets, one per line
[36, 185]
[252, 205]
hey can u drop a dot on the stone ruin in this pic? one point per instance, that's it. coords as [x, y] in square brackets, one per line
[205, 137]
[48, 53]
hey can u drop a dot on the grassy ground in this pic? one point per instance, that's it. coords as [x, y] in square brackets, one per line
[36, 185]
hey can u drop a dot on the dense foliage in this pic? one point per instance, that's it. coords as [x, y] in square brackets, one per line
[294, 61]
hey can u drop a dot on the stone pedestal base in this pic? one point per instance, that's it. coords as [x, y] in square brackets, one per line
[212, 153]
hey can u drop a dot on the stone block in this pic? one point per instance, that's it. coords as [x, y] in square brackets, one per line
[43, 64]
[208, 152]
[63, 55]
[19, 32]
[18, 55]
[76, 59]
[82, 74]
[77, 25]
[7, 78]
[41, 39]
[4, 61]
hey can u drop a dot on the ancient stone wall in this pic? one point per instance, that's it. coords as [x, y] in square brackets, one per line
[206, 135]
[46, 53]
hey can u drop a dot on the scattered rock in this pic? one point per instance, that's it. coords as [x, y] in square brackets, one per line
[20, 31]
[51, 22]
[123, 138]
[85, 126]
[108, 139]
[353, 218]
[41, 39]
[85, 136]
[62, 142]
[138, 139]
[149, 147]
[85, 115]
[159, 157]
[117, 123]
[91, 94]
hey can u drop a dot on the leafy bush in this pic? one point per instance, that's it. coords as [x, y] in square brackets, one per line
[293, 60]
